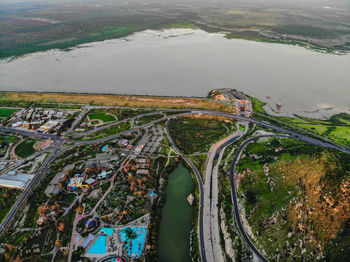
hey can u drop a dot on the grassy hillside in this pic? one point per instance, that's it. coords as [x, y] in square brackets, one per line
[298, 205]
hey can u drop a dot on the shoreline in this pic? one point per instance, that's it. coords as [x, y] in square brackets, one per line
[228, 34]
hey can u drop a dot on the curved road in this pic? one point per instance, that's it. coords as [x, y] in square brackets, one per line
[201, 193]
[234, 196]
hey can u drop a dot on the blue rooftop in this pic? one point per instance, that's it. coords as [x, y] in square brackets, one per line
[87, 241]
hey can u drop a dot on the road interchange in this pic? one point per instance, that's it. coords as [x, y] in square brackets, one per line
[59, 141]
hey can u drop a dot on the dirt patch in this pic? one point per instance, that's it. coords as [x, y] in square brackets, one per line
[118, 100]
[42, 144]
[317, 212]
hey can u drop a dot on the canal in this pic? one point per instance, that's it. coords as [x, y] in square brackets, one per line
[176, 222]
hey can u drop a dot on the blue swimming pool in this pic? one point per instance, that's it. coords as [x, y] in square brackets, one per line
[99, 247]
[134, 246]
[107, 230]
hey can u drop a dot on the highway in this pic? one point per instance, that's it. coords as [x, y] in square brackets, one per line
[212, 245]
[29, 133]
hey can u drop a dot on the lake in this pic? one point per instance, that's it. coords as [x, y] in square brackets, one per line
[176, 222]
[187, 62]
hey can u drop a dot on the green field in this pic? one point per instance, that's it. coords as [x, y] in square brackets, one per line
[101, 116]
[6, 112]
[196, 135]
[25, 149]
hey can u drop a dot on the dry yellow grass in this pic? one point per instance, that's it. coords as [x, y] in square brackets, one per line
[119, 100]
[316, 211]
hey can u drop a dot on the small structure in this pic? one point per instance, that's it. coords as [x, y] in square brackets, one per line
[190, 199]
[103, 174]
[142, 171]
[123, 142]
[87, 241]
[76, 182]
[153, 195]
[138, 149]
[90, 181]
[105, 148]
[279, 105]
[48, 126]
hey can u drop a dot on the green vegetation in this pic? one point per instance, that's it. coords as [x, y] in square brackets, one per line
[101, 116]
[7, 112]
[112, 130]
[180, 25]
[119, 113]
[7, 199]
[258, 106]
[146, 119]
[58, 106]
[199, 162]
[25, 148]
[193, 135]
[242, 253]
[24, 29]
[337, 128]
[7, 138]
[286, 189]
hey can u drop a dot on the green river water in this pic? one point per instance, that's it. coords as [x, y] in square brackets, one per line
[176, 222]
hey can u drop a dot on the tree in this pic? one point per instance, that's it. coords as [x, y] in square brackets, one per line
[80, 209]
[58, 243]
[130, 234]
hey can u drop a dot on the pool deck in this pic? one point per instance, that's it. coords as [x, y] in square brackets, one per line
[114, 245]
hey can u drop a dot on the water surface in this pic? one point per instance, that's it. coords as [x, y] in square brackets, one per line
[186, 62]
[176, 222]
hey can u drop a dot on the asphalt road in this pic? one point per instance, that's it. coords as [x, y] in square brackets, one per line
[29, 133]
[234, 196]
[211, 220]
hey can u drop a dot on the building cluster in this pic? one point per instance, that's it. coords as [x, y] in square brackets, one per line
[85, 181]
[38, 119]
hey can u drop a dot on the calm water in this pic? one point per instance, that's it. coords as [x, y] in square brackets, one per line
[185, 62]
[176, 223]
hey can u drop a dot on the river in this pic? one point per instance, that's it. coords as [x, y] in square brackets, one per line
[187, 62]
[176, 222]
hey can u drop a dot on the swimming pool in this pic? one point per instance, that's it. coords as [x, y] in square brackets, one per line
[107, 230]
[134, 246]
[99, 247]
